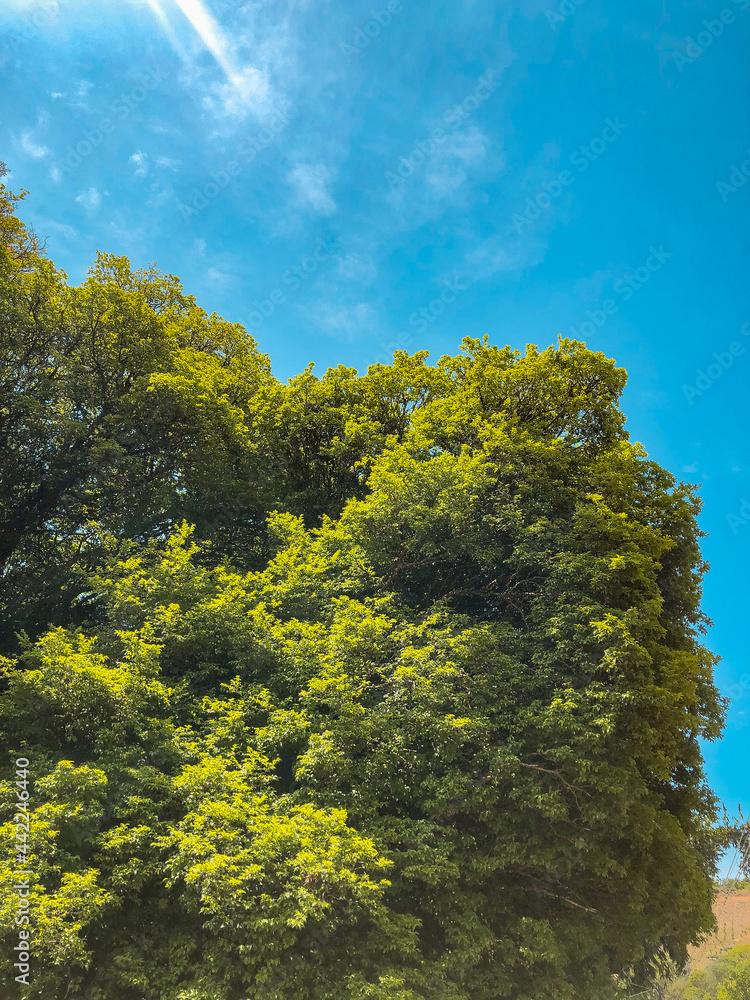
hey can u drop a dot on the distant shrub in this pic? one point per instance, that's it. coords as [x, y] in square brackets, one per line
[725, 978]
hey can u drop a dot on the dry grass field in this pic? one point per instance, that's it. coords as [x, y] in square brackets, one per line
[733, 917]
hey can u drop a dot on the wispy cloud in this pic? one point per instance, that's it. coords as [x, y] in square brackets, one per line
[246, 87]
[139, 162]
[31, 147]
[160, 195]
[46, 226]
[505, 255]
[217, 277]
[348, 321]
[310, 182]
[91, 200]
[28, 143]
[448, 171]
[247, 90]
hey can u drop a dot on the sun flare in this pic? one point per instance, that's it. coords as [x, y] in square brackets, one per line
[210, 33]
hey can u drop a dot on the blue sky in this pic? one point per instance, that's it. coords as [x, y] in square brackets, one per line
[345, 179]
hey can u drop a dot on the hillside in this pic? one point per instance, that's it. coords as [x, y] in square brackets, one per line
[733, 917]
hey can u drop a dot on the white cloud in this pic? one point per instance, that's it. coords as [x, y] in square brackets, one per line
[217, 277]
[467, 146]
[60, 228]
[337, 319]
[445, 171]
[254, 46]
[448, 177]
[160, 127]
[247, 90]
[503, 255]
[160, 195]
[31, 147]
[91, 200]
[28, 143]
[310, 182]
[139, 162]
[166, 163]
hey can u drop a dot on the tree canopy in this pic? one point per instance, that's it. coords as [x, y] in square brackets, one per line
[381, 686]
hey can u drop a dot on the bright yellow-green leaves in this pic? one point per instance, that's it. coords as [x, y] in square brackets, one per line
[63, 904]
[19, 247]
[379, 686]
[78, 699]
[736, 986]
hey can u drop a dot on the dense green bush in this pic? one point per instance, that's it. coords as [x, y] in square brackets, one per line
[727, 977]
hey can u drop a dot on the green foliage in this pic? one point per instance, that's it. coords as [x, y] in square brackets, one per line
[727, 977]
[368, 687]
[736, 986]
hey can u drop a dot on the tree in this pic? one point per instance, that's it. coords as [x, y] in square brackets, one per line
[18, 244]
[390, 686]
[737, 985]
[124, 408]
[121, 403]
